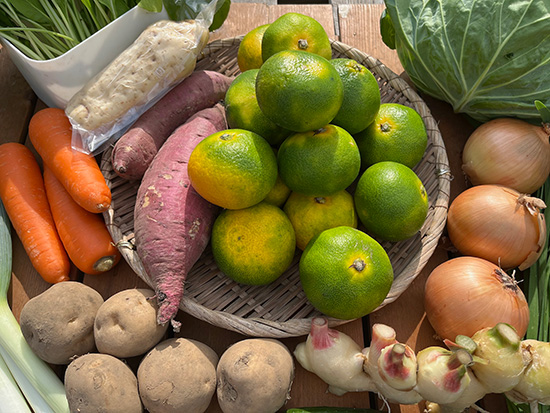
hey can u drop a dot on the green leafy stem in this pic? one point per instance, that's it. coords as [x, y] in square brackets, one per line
[45, 29]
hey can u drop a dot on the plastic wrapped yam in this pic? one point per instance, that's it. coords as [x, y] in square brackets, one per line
[164, 54]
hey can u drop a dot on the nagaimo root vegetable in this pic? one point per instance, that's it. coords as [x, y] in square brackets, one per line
[335, 358]
[101, 383]
[58, 324]
[83, 233]
[135, 150]
[392, 366]
[172, 221]
[126, 324]
[178, 375]
[51, 135]
[254, 376]
[499, 224]
[24, 197]
[162, 55]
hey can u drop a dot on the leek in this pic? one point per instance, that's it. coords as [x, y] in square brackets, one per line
[12, 399]
[38, 382]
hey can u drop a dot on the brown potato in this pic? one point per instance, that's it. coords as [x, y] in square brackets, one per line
[254, 376]
[126, 324]
[101, 383]
[58, 324]
[178, 375]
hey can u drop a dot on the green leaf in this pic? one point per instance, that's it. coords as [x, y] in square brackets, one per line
[221, 15]
[192, 9]
[543, 111]
[116, 7]
[154, 6]
[32, 10]
[487, 58]
[386, 30]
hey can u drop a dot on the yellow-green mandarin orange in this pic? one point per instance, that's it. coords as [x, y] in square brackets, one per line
[255, 245]
[345, 273]
[243, 111]
[233, 168]
[391, 201]
[320, 162]
[311, 215]
[299, 91]
[278, 194]
[361, 96]
[249, 54]
[296, 31]
[397, 134]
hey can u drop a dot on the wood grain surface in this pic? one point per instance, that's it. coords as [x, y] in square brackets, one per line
[353, 24]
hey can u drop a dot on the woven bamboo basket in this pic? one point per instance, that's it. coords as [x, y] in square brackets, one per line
[281, 309]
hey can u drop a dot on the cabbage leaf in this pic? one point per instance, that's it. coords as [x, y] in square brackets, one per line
[487, 58]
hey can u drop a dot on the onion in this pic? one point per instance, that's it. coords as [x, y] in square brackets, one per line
[499, 224]
[509, 152]
[466, 294]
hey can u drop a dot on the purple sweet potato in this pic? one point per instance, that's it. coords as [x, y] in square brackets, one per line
[172, 222]
[135, 150]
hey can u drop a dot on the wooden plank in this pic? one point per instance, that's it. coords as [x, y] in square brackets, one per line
[359, 26]
[17, 101]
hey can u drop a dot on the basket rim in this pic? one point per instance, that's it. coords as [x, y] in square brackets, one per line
[257, 326]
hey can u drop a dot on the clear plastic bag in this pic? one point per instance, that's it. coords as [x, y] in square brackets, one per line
[162, 56]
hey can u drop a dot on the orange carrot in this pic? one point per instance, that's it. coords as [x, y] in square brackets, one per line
[83, 233]
[24, 197]
[51, 135]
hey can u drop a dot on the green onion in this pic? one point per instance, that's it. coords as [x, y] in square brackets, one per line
[38, 382]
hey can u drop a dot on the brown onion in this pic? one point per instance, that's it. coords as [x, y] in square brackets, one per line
[466, 294]
[499, 224]
[509, 152]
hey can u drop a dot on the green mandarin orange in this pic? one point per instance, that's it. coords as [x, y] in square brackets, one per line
[391, 201]
[233, 168]
[320, 162]
[255, 245]
[345, 273]
[296, 31]
[299, 91]
[311, 215]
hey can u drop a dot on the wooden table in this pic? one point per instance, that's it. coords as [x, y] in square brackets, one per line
[356, 25]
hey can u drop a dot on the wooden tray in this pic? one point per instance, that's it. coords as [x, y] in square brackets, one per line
[281, 309]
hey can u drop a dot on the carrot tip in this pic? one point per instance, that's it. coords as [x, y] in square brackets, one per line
[105, 263]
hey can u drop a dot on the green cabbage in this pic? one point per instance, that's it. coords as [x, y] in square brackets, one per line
[487, 58]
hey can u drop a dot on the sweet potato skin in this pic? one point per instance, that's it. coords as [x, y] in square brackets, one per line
[172, 222]
[135, 150]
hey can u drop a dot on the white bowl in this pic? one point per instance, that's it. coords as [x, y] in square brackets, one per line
[56, 80]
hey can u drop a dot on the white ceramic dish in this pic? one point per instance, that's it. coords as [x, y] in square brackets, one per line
[56, 80]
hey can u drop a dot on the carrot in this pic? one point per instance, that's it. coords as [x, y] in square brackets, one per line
[83, 233]
[51, 135]
[24, 198]
[135, 150]
[172, 222]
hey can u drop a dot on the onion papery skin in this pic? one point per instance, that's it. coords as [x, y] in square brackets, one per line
[466, 294]
[508, 152]
[490, 222]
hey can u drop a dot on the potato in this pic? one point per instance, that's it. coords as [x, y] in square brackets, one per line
[254, 375]
[126, 324]
[58, 324]
[101, 383]
[178, 375]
